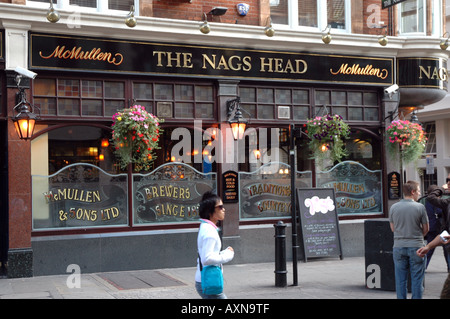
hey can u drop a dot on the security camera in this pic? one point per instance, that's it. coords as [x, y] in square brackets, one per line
[25, 72]
[391, 90]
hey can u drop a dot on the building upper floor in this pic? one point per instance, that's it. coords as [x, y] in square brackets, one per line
[407, 18]
[302, 25]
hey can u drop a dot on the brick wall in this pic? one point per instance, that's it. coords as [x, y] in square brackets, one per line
[182, 9]
[372, 13]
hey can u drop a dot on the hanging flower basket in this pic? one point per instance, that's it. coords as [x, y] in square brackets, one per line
[135, 137]
[406, 137]
[326, 136]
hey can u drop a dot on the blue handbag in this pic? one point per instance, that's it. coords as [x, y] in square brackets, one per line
[212, 279]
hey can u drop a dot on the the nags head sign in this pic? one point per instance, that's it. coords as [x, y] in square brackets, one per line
[108, 55]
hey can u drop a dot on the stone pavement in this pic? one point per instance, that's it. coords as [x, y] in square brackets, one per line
[329, 278]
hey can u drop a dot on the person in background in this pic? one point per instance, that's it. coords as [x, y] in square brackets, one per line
[422, 252]
[409, 223]
[446, 186]
[439, 198]
[435, 220]
[209, 245]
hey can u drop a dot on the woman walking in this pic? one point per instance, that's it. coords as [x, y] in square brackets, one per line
[209, 245]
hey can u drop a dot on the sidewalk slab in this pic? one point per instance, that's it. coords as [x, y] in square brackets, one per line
[330, 278]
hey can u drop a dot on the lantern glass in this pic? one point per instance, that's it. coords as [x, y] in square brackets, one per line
[238, 130]
[24, 124]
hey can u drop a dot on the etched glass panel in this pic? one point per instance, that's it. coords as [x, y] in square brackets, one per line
[266, 192]
[170, 194]
[358, 190]
[79, 196]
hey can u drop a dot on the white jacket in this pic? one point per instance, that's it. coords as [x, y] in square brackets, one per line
[209, 245]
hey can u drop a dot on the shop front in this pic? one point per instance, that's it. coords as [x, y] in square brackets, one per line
[89, 211]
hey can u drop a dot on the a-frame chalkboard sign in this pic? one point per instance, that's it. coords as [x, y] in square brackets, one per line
[319, 222]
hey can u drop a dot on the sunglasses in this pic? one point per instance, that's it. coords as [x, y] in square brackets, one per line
[219, 206]
[448, 180]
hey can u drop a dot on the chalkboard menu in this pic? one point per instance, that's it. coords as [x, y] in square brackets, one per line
[319, 222]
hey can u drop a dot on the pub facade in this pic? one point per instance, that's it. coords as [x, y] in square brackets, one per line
[65, 198]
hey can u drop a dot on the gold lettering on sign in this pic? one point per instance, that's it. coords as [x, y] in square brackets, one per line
[278, 65]
[167, 59]
[273, 189]
[438, 73]
[79, 195]
[76, 53]
[234, 63]
[355, 69]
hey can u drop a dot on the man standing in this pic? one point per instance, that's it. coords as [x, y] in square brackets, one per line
[409, 222]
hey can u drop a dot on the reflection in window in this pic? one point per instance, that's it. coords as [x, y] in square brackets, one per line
[430, 132]
[364, 149]
[123, 5]
[183, 148]
[336, 13]
[412, 16]
[311, 13]
[97, 5]
[307, 13]
[279, 11]
[428, 180]
[84, 3]
[79, 144]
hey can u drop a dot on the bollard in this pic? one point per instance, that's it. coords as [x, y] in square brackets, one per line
[280, 255]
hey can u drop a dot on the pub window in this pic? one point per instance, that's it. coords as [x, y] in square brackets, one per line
[202, 158]
[420, 17]
[317, 14]
[428, 180]
[100, 98]
[365, 149]
[412, 16]
[72, 144]
[351, 105]
[184, 101]
[275, 103]
[76, 98]
[89, 5]
[430, 132]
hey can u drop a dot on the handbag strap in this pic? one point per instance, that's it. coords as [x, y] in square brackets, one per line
[200, 261]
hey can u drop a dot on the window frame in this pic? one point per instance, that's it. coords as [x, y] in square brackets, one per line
[431, 144]
[423, 16]
[322, 18]
[129, 98]
[102, 7]
[251, 108]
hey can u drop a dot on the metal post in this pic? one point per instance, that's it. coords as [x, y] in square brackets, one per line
[293, 203]
[280, 255]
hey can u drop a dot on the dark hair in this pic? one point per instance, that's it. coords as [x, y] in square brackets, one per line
[208, 205]
[431, 188]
